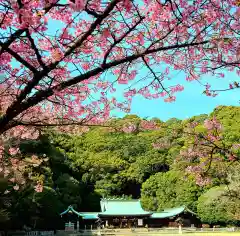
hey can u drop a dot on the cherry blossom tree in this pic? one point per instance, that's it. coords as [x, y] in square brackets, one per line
[207, 152]
[61, 63]
[206, 148]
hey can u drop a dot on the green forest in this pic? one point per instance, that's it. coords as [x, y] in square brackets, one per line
[93, 162]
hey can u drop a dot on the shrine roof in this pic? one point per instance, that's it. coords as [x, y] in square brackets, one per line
[89, 215]
[166, 213]
[70, 210]
[122, 207]
[84, 215]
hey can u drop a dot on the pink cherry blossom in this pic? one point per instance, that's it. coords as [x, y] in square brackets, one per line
[148, 125]
[213, 123]
[13, 151]
[12, 180]
[202, 153]
[86, 66]
[57, 54]
[39, 187]
[78, 5]
[203, 181]
[170, 99]
[16, 187]
[6, 172]
[129, 128]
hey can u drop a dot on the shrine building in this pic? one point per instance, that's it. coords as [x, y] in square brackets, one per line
[122, 213]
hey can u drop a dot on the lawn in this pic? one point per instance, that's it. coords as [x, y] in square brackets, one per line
[202, 234]
[184, 234]
[187, 234]
[214, 234]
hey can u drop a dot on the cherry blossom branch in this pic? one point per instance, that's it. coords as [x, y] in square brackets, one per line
[156, 77]
[131, 29]
[211, 159]
[128, 46]
[10, 40]
[45, 72]
[18, 33]
[81, 123]
[39, 57]
[18, 107]
[21, 60]
[93, 26]
[209, 143]
[224, 90]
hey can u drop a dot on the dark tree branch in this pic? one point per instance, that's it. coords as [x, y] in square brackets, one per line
[94, 25]
[41, 95]
[211, 159]
[155, 76]
[34, 47]
[21, 60]
[13, 109]
[11, 39]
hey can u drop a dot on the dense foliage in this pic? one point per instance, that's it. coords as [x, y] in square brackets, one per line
[131, 161]
[170, 189]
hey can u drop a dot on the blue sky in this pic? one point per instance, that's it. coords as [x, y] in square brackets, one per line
[189, 103]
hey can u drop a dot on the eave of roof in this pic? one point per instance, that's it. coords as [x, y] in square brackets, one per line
[69, 209]
[89, 215]
[84, 215]
[166, 213]
[124, 214]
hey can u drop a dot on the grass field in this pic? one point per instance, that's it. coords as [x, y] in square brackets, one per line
[194, 234]
[164, 233]
[213, 234]
[202, 234]
[191, 234]
[185, 234]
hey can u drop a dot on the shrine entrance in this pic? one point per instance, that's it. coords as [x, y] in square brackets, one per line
[72, 220]
[124, 222]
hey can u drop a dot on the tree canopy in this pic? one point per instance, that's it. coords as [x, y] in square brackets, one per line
[170, 189]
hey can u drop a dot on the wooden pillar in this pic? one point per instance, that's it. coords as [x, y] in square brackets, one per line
[180, 229]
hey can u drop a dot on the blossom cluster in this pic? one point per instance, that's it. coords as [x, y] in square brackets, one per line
[206, 149]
